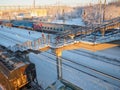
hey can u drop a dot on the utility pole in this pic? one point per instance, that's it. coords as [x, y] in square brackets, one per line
[58, 8]
[104, 10]
[34, 4]
[63, 15]
[100, 8]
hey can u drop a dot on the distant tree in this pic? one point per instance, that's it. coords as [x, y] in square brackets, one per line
[115, 2]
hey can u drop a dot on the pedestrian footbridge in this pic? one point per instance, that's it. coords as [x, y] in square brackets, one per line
[100, 37]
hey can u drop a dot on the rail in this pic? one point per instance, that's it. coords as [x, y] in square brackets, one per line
[86, 35]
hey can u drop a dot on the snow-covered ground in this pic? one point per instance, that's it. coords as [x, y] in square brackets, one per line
[21, 39]
[75, 21]
[88, 70]
[93, 66]
[81, 68]
[46, 69]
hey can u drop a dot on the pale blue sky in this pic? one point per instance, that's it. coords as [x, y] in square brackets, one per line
[46, 2]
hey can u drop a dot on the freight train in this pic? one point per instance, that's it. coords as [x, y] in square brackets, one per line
[16, 70]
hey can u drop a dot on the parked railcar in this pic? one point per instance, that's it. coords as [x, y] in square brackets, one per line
[40, 26]
[16, 71]
[49, 27]
[26, 24]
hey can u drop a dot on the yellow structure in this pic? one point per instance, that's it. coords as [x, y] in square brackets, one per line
[91, 47]
[81, 45]
[39, 12]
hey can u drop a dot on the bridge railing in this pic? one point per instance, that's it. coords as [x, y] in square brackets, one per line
[41, 43]
[35, 45]
[87, 35]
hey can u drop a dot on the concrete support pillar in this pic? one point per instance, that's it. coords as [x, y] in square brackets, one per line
[119, 27]
[103, 32]
[59, 63]
[72, 36]
[59, 67]
[64, 40]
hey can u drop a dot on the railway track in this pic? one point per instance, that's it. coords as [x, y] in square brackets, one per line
[26, 35]
[97, 57]
[96, 63]
[15, 37]
[9, 38]
[34, 86]
[85, 69]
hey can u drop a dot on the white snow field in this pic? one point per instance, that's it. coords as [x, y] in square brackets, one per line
[75, 21]
[21, 39]
[81, 67]
[87, 70]
[46, 69]
[93, 72]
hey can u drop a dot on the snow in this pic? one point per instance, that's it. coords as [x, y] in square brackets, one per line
[75, 21]
[46, 69]
[58, 84]
[87, 70]
[84, 77]
[111, 53]
[22, 33]
[6, 42]
[104, 67]
[91, 70]
[85, 81]
[21, 39]
[15, 37]
[86, 61]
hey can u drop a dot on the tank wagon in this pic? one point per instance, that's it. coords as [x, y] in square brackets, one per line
[16, 70]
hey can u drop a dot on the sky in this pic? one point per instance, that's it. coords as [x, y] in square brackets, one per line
[48, 2]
